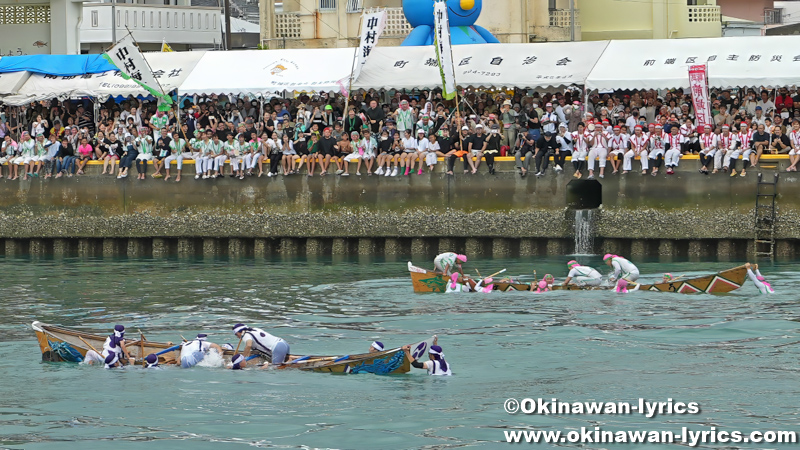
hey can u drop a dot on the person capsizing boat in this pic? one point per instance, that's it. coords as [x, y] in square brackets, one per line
[92, 357]
[485, 285]
[761, 283]
[193, 352]
[115, 343]
[583, 275]
[549, 280]
[668, 278]
[446, 262]
[151, 361]
[622, 286]
[112, 361]
[542, 287]
[454, 286]
[622, 268]
[238, 362]
[256, 339]
[376, 347]
[437, 364]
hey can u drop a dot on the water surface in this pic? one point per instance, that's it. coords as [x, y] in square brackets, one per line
[729, 353]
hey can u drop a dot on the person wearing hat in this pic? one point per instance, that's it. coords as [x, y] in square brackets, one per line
[444, 263]
[564, 140]
[674, 146]
[409, 151]
[583, 275]
[581, 139]
[794, 152]
[192, 352]
[476, 146]
[376, 347]
[492, 149]
[546, 146]
[598, 150]
[727, 143]
[509, 120]
[758, 280]
[657, 152]
[151, 361]
[708, 147]
[258, 340]
[549, 119]
[638, 144]
[423, 148]
[622, 268]
[115, 345]
[437, 364]
[617, 146]
[404, 117]
[426, 124]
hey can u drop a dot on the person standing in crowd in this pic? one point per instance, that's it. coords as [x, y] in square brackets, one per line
[375, 116]
[509, 120]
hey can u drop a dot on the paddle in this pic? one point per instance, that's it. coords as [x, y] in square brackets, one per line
[496, 273]
[341, 359]
[240, 343]
[173, 348]
[90, 346]
[298, 360]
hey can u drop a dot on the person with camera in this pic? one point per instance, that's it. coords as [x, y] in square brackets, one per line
[546, 147]
[527, 149]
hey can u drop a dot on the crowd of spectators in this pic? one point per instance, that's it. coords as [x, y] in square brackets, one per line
[401, 134]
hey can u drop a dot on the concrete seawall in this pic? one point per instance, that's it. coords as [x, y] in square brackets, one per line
[686, 214]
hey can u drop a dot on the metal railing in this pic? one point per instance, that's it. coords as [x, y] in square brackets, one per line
[327, 5]
[355, 6]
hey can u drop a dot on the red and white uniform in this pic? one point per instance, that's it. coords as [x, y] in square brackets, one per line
[673, 154]
[708, 143]
[599, 149]
[744, 138]
[618, 143]
[727, 142]
[657, 143]
[794, 138]
[580, 143]
[639, 144]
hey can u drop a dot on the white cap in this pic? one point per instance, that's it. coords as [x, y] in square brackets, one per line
[480, 125]
[465, 128]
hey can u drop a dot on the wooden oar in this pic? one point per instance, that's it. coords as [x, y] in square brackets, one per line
[676, 278]
[141, 344]
[496, 273]
[90, 346]
[237, 345]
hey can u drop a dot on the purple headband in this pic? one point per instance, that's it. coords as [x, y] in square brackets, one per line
[237, 360]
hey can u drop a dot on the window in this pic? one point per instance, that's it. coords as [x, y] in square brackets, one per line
[117, 22]
[94, 18]
[206, 21]
[152, 22]
[551, 4]
[183, 20]
[191, 20]
[126, 18]
[159, 19]
[167, 19]
[327, 5]
[214, 21]
[135, 17]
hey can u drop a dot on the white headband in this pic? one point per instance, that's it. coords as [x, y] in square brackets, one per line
[118, 333]
[239, 329]
[238, 359]
[377, 347]
[116, 359]
[433, 352]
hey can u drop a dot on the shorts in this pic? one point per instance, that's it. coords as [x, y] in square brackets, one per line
[279, 352]
[192, 359]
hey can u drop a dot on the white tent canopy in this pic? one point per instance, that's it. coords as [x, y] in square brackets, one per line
[769, 61]
[11, 82]
[483, 65]
[171, 69]
[267, 72]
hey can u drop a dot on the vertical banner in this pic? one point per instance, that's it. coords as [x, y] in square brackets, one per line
[131, 64]
[444, 55]
[372, 25]
[698, 82]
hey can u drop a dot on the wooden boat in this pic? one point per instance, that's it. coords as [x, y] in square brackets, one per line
[63, 344]
[725, 281]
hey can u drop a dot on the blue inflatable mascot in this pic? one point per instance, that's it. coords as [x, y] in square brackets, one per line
[462, 16]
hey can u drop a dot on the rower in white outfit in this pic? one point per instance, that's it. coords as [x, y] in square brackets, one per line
[622, 268]
[446, 262]
[583, 275]
[256, 339]
[193, 352]
[437, 364]
[761, 283]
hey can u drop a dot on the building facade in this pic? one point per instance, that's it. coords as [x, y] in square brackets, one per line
[650, 19]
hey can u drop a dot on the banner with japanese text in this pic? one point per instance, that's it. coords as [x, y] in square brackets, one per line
[698, 83]
[372, 25]
[444, 54]
[125, 55]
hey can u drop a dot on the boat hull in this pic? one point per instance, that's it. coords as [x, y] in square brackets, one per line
[63, 344]
[721, 282]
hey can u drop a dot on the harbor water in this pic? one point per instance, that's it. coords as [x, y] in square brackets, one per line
[735, 355]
